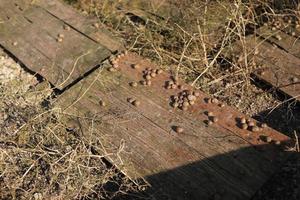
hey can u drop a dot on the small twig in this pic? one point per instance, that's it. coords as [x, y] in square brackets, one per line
[209, 65]
[279, 104]
[182, 56]
[135, 41]
[296, 142]
[160, 58]
[223, 77]
[34, 118]
[31, 166]
[75, 64]
[88, 88]
[55, 135]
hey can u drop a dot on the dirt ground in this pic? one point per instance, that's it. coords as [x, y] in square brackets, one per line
[187, 38]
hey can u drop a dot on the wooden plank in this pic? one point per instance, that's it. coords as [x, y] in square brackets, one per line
[280, 38]
[6, 14]
[141, 158]
[81, 23]
[279, 68]
[147, 132]
[37, 47]
[196, 113]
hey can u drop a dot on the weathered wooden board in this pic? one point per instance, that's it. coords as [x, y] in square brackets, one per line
[280, 67]
[282, 39]
[208, 159]
[31, 34]
[84, 24]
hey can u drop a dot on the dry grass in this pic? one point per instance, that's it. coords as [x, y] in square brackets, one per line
[43, 158]
[193, 39]
[190, 38]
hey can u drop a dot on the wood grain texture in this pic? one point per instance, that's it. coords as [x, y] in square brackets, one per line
[280, 68]
[152, 147]
[83, 24]
[282, 39]
[36, 33]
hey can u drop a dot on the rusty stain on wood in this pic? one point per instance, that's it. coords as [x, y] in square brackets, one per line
[147, 133]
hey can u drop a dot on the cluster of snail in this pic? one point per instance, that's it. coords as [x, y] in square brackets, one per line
[284, 22]
[184, 99]
[248, 124]
[115, 60]
[173, 84]
[215, 101]
[134, 102]
[211, 118]
[60, 36]
[149, 74]
[252, 126]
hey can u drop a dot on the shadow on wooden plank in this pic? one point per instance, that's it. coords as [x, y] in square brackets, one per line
[183, 188]
[285, 118]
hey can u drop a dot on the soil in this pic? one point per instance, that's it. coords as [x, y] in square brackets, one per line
[11, 71]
